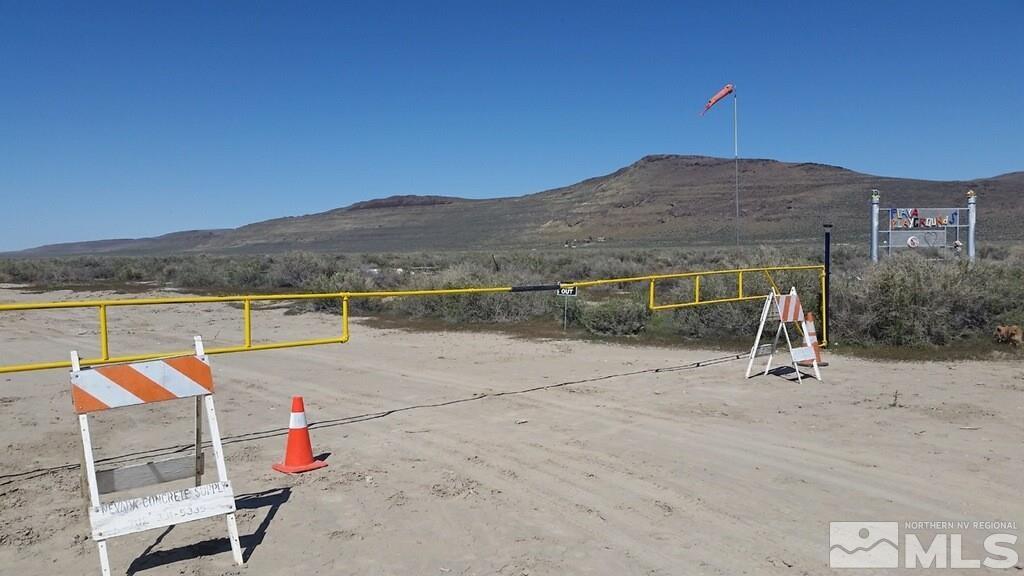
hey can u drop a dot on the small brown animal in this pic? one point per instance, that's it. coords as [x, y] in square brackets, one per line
[1010, 333]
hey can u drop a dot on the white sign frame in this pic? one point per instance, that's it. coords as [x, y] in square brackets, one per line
[801, 354]
[119, 518]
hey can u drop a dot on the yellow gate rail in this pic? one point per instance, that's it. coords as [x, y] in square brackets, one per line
[741, 295]
[101, 307]
[247, 344]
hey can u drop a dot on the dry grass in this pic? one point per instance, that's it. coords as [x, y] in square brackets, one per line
[904, 301]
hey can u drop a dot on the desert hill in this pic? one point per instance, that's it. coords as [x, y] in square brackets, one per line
[656, 201]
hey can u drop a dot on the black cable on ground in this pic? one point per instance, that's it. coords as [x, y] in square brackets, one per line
[7, 479]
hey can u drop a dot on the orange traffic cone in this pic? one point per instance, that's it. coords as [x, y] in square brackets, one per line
[298, 453]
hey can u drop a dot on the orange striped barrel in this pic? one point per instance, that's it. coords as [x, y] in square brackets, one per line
[812, 333]
[812, 336]
[104, 387]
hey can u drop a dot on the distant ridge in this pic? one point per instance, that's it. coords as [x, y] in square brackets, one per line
[658, 200]
[404, 202]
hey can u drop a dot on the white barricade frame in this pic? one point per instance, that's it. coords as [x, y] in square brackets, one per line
[774, 310]
[156, 380]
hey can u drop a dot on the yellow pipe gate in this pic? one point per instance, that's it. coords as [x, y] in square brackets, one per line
[247, 345]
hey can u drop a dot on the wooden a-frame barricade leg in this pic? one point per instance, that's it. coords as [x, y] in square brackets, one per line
[113, 519]
[760, 330]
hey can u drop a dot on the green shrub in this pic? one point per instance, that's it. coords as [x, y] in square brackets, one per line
[615, 317]
[904, 300]
[475, 308]
[908, 300]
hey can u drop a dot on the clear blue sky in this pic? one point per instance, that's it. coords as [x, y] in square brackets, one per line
[139, 118]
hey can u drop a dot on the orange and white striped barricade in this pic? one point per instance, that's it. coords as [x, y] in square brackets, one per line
[120, 385]
[786, 309]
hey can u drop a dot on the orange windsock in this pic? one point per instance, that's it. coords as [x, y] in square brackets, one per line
[728, 89]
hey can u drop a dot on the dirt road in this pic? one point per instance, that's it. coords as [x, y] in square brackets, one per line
[467, 453]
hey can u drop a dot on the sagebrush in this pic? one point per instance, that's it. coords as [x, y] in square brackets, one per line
[904, 300]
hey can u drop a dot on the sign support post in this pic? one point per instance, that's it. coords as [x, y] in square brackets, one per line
[972, 220]
[875, 195]
[566, 293]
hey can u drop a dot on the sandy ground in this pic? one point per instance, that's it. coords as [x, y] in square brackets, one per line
[466, 453]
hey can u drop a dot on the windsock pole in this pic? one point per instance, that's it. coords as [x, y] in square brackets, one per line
[736, 157]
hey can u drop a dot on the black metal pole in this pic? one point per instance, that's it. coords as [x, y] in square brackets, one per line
[828, 281]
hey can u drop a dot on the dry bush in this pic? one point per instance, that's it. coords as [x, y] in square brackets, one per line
[904, 300]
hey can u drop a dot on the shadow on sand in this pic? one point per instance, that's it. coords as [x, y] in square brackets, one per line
[269, 498]
[788, 373]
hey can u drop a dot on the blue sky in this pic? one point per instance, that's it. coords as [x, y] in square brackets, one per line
[140, 118]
